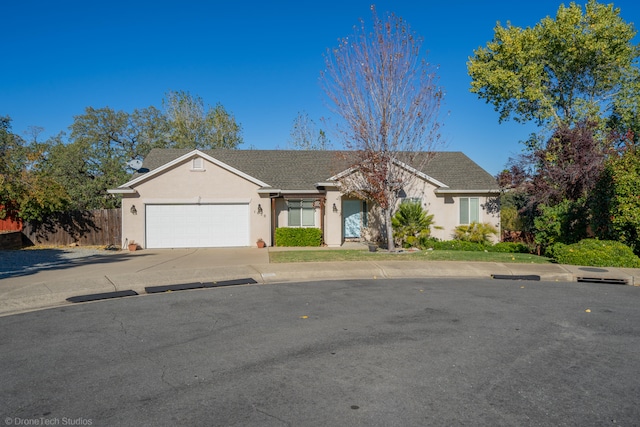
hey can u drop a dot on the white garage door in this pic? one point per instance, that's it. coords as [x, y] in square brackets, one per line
[197, 226]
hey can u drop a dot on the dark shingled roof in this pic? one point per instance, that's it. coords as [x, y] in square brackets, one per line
[301, 170]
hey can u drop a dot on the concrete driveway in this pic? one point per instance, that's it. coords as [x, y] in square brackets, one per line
[45, 277]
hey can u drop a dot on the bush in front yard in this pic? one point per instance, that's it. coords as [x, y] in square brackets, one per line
[463, 245]
[456, 245]
[596, 253]
[298, 237]
[510, 248]
[475, 232]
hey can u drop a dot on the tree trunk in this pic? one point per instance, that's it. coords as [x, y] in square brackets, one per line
[391, 246]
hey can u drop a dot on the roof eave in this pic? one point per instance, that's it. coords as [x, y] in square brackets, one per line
[327, 184]
[119, 190]
[462, 191]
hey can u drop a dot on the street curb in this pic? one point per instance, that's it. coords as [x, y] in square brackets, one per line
[55, 294]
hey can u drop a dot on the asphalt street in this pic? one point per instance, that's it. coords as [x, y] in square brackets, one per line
[403, 352]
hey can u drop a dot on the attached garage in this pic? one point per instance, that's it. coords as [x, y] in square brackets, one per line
[197, 225]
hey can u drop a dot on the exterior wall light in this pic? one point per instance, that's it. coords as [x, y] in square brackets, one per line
[335, 208]
[133, 210]
[259, 209]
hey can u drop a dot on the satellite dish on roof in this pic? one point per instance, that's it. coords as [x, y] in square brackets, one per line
[135, 164]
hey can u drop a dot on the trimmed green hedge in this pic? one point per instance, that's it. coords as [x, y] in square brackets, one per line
[510, 247]
[457, 245]
[298, 237]
[595, 253]
[462, 245]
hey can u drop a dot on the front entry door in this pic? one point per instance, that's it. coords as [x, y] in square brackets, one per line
[352, 218]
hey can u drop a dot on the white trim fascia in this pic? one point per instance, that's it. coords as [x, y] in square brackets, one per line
[343, 173]
[268, 190]
[121, 190]
[198, 201]
[450, 191]
[302, 192]
[403, 165]
[187, 156]
[327, 184]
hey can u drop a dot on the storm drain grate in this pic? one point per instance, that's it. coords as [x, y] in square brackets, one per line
[516, 276]
[106, 295]
[608, 280]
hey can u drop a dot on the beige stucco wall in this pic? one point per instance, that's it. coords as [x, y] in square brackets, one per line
[447, 214]
[181, 184]
[333, 220]
[445, 208]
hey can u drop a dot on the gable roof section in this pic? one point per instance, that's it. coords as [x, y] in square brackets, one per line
[185, 155]
[303, 170]
[402, 165]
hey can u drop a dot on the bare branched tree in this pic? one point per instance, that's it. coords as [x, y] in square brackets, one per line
[305, 135]
[387, 96]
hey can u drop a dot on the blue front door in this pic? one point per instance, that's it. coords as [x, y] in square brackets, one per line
[352, 217]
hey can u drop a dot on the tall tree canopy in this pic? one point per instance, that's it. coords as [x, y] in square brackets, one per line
[576, 67]
[24, 190]
[103, 140]
[195, 126]
[386, 94]
[576, 76]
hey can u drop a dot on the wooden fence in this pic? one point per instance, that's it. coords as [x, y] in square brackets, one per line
[10, 223]
[91, 228]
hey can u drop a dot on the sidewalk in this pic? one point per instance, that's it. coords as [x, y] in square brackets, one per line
[120, 271]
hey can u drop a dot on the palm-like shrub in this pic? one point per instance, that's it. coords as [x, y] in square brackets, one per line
[411, 223]
[475, 232]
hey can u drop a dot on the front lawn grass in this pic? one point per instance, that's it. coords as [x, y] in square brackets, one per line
[435, 255]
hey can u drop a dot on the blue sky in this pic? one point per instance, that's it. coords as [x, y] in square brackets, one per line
[261, 60]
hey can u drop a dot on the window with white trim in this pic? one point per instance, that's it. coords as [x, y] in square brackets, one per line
[469, 210]
[301, 213]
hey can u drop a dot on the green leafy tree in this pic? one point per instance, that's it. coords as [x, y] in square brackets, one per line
[25, 191]
[576, 76]
[411, 223]
[11, 155]
[616, 201]
[194, 125]
[386, 95]
[84, 181]
[576, 67]
[564, 222]
[101, 142]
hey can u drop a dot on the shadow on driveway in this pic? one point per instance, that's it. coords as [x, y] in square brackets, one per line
[31, 261]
